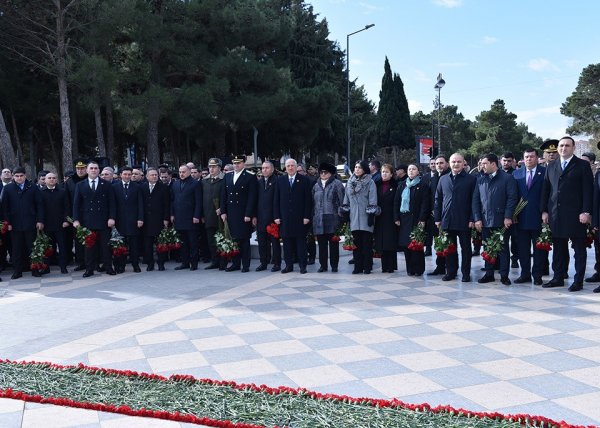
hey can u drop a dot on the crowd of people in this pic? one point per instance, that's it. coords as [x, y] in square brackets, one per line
[380, 204]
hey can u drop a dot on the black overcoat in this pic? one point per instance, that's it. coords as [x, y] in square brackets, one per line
[454, 201]
[157, 208]
[292, 205]
[386, 231]
[419, 210]
[238, 201]
[130, 207]
[93, 209]
[186, 203]
[57, 207]
[22, 208]
[264, 209]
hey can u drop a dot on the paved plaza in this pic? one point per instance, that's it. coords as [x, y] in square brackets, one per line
[517, 349]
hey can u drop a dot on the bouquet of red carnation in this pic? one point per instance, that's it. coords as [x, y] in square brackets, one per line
[4, 227]
[338, 234]
[227, 247]
[40, 247]
[443, 245]
[84, 235]
[273, 230]
[476, 237]
[117, 244]
[544, 242]
[348, 240]
[590, 236]
[495, 243]
[417, 239]
[167, 240]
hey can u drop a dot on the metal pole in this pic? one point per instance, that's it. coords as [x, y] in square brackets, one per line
[348, 96]
[439, 123]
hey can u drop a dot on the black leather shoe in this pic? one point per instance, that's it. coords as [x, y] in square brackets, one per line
[79, 268]
[485, 279]
[245, 269]
[466, 278]
[351, 261]
[16, 275]
[287, 269]
[64, 270]
[367, 271]
[522, 280]
[261, 267]
[194, 267]
[276, 268]
[436, 271]
[356, 272]
[137, 269]
[36, 273]
[322, 269]
[334, 269]
[538, 281]
[504, 280]
[514, 264]
[597, 289]
[448, 277]
[576, 286]
[594, 278]
[149, 268]
[553, 283]
[310, 262]
[182, 267]
[161, 267]
[101, 269]
[232, 268]
[110, 272]
[212, 266]
[303, 270]
[88, 273]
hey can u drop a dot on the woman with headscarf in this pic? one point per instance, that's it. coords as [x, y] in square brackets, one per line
[411, 208]
[360, 201]
[386, 231]
[327, 195]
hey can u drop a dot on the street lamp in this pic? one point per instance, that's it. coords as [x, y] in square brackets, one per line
[348, 81]
[439, 85]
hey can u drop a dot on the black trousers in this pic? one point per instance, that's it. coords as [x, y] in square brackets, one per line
[212, 244]
[514, 243]
[415, 261]
[293, 246]
[311, 245]
[503, 257]
[58, 238]
[560, 258]
[597, 253]
[22, 243]
[100, 251]
[189, 249]
[527, 238]
[389, 260]
[269, 249]
[5, 249]
[464, 238]
[203, 245]
[363, 255]
[329, 251]
[149, 252]
[243, 258]
[79, 249]
[133, 244]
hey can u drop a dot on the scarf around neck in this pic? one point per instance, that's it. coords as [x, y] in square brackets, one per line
[405, 205]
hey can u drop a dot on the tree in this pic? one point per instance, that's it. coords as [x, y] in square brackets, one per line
[394, 127]
[496, 131]
[583, 106]
[8, 154]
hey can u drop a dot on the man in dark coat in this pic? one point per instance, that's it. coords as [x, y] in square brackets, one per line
[292, 211]
[530, 180]
[186, 212]
[454, 214]
[94, 207]
[494, 201]
[264, 217]
[130, 216]
[212, 187]
[442, 168]
[157, 210]
[57, 208]
[23, 208]
[80, 175]
[311, 245]
[238, 207]
[567, 196]
[508, 160]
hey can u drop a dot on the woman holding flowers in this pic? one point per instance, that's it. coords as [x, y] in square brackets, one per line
[327, 196]
[360, 201]
[411, 208]
[386, 231]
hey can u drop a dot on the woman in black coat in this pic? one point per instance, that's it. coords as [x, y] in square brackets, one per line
[386, 231]
[411, 207]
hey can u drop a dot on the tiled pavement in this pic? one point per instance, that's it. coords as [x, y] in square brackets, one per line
[518, 349]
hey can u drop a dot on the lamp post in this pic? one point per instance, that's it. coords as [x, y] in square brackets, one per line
[348, 81]
[439, 85]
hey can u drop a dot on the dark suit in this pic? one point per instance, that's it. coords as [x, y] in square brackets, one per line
[454, 211]
[212, 187]
[269, 248]
[529, 223]
[70, 232]
[565, 195]
[57, 208]
[386, 231]
[292, 204]
[495, 199]
[93, 209]
[238, 200]
[157, 209]
[23, 209]
[130, 210]
[186, 204]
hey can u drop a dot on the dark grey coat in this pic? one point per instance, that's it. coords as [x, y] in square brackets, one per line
[495, 199]
[326, 203]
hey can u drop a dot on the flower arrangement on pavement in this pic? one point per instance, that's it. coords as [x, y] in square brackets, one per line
[168, 240]
[42, 248]
[117, 244]
[227, 247]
